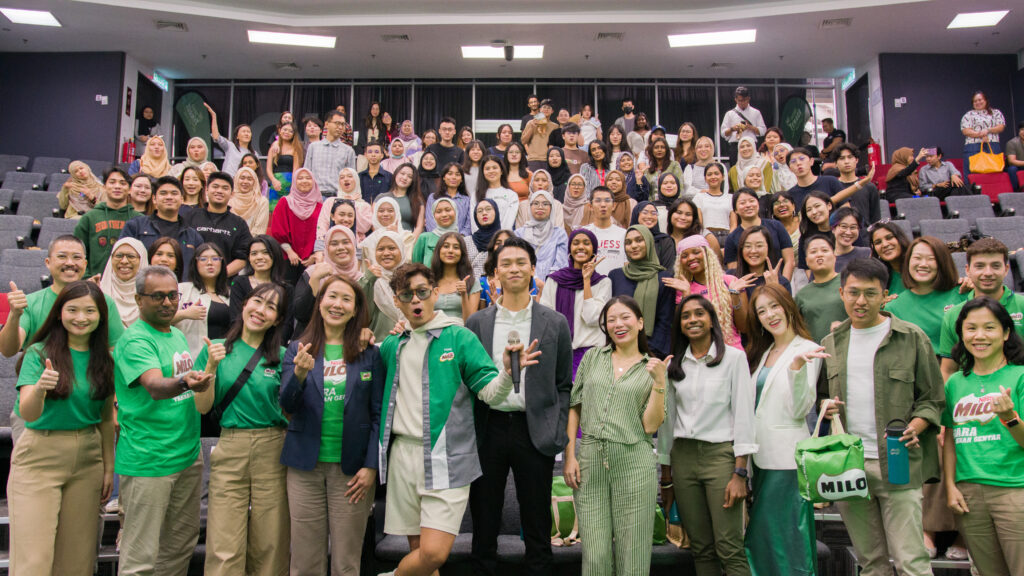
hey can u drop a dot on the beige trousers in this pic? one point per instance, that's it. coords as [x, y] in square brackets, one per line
[994, 528]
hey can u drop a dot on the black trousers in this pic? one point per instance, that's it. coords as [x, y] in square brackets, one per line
[506, 444]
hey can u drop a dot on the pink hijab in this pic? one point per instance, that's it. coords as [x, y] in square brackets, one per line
[302, 204]
[353, 271]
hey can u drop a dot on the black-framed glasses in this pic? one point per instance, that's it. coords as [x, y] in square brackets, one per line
[421, 293]
[125, 256]
[158, 297]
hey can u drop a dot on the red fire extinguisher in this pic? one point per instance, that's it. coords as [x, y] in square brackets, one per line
[128, 151]
[874, 153]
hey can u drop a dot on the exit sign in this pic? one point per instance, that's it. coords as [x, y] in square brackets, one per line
[848, 80]
[160, 81]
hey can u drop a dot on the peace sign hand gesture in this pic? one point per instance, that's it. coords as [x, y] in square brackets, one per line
[771, 273]
[589, 267]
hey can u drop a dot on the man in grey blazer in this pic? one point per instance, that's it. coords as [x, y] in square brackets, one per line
[527, 431]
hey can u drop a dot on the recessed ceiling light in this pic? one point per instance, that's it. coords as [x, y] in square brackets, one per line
[712, 38]
[283, 38]
[33, 17]
[519, 52]
[977, 19]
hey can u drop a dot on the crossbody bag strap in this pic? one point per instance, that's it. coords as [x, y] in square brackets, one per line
[218, 410]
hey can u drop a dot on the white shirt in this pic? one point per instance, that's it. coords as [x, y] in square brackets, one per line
[508, 206]
[714, 210]
[860, 385]
[716, 403]
[732, 118]
[609, 245]
[506, 321]
[586, 313]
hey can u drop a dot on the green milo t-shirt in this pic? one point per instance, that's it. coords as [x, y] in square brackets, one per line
[75, 412]
[986, 452]
[1014, 304]
[257, 404]
[335, 373]
[41, 302]
[927, 311]
[158, 437]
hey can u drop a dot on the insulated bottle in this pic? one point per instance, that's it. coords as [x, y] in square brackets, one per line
[898, 456]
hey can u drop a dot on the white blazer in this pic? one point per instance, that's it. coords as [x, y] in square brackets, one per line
[787, 397]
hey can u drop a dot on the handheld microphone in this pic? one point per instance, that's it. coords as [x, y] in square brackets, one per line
[513, 340]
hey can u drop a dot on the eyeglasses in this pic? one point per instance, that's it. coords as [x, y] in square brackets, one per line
[540, 204]
[158, 297]
[421, 293]
[214, 259]
[125, 256]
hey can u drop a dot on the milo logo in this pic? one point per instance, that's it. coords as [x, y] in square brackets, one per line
[182, 363]
[448, 356]
[970, 408]
[1017, 317]
[849, 484]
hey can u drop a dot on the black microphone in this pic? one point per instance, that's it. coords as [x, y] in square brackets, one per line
[513, 340]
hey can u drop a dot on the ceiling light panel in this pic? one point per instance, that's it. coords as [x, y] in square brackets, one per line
[32, 17]
[286, 39]
[520, 52]
[712, 38]
[977, 19]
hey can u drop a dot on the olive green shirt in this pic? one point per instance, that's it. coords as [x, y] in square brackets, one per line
[908, 385]
[613, 408]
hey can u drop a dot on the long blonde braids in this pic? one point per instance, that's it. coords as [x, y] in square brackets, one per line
[718, 291]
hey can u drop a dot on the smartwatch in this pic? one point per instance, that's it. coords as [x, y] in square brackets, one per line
[741, 472]
[1012, 422]
[183, 384]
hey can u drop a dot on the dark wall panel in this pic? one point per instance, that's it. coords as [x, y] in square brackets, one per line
[938, 90]
[49, 107]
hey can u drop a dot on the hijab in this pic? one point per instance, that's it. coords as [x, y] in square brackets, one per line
[534, 175]
[155, 166]
[659, 199]
[482, 236]
[123, 291]
[188, 159]
[782, 178]
[357, 193]
[442, 230]
[901, 158]
[742, 178]
[574, 208]
[353, 271]
[302, 204]
[645, 273]
[370, 251]
[425, 173]
[411, 137]
[620, 211]
[570, 280]
[559, 175]
[537, 232]
[634, 219]
[398, 214]
[78, 186]
[755, 160]
[249, 205]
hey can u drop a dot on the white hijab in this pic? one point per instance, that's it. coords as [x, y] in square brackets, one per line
[537, 232]
[123, 292]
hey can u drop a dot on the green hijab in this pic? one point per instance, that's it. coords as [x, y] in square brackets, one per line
[645, 273]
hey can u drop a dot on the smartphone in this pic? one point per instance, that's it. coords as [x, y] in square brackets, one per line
[930, 151]
[538, 116]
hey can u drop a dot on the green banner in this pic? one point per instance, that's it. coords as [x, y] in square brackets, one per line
[793, 119]
[195, 117]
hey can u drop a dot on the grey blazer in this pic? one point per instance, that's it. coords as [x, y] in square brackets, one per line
[546, 385]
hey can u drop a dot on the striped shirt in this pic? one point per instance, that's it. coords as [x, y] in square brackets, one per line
[613, 408]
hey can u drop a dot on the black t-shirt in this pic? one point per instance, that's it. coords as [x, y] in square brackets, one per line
[779, 238]
[227, 230]
[828, 184]
[865, 202]
[446, 155]
[835, 133]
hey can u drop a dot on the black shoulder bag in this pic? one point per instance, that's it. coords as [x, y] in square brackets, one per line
[218, 410]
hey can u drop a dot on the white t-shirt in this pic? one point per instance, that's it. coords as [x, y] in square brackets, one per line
[860, 385]
[609, 245]
[714, 210]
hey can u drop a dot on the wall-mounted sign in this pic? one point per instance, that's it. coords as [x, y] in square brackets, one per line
[160, 81]
[849, 79]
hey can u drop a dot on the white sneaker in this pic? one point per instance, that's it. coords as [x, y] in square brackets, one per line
[112, 506]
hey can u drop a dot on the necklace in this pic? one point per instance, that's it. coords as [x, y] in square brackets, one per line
[983, 377]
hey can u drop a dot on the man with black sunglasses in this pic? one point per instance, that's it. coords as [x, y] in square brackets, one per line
[158, 455]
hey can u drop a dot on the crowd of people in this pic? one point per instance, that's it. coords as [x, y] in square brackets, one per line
[450, 312]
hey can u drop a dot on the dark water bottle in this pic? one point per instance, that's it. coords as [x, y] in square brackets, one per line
[898, 456]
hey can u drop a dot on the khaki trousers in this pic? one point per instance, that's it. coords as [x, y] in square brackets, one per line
[994, 528]
[53, 490]
[247, 520]
[161, 522]
[316, 499]
[887, 526]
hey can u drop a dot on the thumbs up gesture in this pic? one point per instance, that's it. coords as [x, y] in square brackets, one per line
[48, 380]
[215, 353]
[16, 299]
[462, 288]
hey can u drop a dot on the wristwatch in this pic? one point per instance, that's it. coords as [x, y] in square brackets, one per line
[1013, 421]
[183, 384]
[741, 472]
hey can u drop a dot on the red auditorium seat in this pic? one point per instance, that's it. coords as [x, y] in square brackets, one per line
[992, 185]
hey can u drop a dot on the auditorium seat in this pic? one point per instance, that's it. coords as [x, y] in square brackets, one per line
[884, 210]
[1008, 230]
[945, 230]
[20, 224]
[992, 185]
[24, 180]
[50, 164]
[24, 259]
[905, 227]
[39, 205]
[56, 180]
[879, 179]
[13, 240]
[12, 163]
[914, 210]
[53, 227]
[98, 167]
[1011, 203]
[969, 208]
[28, 280]
[6, 199]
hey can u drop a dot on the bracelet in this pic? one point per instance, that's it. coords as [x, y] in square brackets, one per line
[658, 390]
[1015, 417]
[666, 484]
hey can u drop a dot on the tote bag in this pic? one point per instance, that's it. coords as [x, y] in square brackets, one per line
[986, 162]
[831, 468]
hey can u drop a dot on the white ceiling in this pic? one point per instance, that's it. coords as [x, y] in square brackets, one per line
[790, 42]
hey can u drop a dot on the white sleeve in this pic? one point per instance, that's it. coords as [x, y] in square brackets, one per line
[601, 292]
[496, 390]
[743, 392]
[726, 125]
